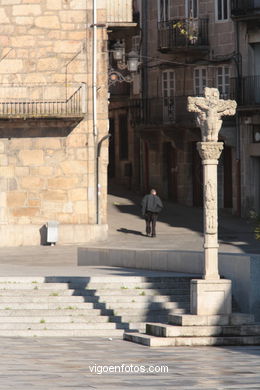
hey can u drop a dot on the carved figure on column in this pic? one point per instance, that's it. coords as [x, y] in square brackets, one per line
[210, 208]
[210, 109]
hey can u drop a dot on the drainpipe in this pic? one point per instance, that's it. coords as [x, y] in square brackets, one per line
[238, 140]
[94, 103]
[98, 153]
[94, 69]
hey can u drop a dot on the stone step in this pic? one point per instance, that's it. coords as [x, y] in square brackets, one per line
[124, 293]
[55, 319]
[140, 326]
[33, 286]
[162, 330]
[103, 333]
[196, 320]
[145, 311]
[49, 306]
[138, 318]
[145, 306]
[49, 312]
[139, 298]
[47, 299]
[95, 279]
[42, 324]
[94, 289]
[130, 285]
[153, 341]
[242, 330]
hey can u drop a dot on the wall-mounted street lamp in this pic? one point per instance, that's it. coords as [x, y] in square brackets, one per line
[131, 64]
[118, 51]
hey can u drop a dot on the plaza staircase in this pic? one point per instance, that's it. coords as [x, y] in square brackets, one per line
[88, 307]
[199, 330]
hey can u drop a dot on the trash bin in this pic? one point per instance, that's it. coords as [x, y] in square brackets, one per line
[52, 232]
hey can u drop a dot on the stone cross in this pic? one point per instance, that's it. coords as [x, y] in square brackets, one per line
[209, 111]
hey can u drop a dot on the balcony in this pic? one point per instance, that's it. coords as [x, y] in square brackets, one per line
[247, 92]
[42, 101]
[161, 111]
[183, 34]
[245, 9]
[120, 13]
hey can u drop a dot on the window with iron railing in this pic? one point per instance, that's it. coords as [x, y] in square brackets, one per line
[42, 100]
[246, 91]
[183, 33]
[244, 7]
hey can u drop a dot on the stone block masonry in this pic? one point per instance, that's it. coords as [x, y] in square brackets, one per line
[47, 165]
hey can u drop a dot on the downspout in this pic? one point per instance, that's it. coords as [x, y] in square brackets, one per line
[94, 72]
[238, 141]
[94, 104]
[98, 151]
[144, 86]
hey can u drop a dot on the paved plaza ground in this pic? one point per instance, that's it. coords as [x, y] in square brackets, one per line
[58, 363]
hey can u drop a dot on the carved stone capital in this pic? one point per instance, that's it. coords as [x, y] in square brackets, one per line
[210, 150]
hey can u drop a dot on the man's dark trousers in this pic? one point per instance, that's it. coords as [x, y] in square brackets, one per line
[151, 219]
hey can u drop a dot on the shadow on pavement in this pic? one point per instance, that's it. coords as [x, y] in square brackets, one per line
[233, 230]
[129, 231]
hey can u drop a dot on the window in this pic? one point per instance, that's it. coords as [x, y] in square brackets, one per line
[123, 137]
[136, 42]
[223, 81]
[256, 133]
[200, 80]
[222, 10]
[163, 10]
[168, 93]
[191, 8]
[168, 83]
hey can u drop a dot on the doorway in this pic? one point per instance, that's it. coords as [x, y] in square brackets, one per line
[197, 177]
[228, 188]
[171, 171]
[112, 161]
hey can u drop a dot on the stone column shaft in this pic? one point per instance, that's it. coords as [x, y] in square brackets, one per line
[210, 153]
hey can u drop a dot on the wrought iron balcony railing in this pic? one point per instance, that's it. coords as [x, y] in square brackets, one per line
[183, 33]
[160, 110]
[245, 8]
[119, 12]
[246, 91]
[42, 100]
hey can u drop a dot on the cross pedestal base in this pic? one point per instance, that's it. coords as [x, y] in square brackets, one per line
[211, 297]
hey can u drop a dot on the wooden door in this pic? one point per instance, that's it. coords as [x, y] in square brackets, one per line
[170, 154]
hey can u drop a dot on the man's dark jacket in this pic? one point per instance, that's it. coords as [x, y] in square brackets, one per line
[151, 203]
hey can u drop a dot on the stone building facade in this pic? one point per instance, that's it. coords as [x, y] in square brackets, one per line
[53, 113]
[186, 46]
[246, 16]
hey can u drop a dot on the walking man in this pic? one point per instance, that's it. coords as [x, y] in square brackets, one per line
[151, 207]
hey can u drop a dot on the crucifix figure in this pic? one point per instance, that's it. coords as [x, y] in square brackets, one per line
[210, 109]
